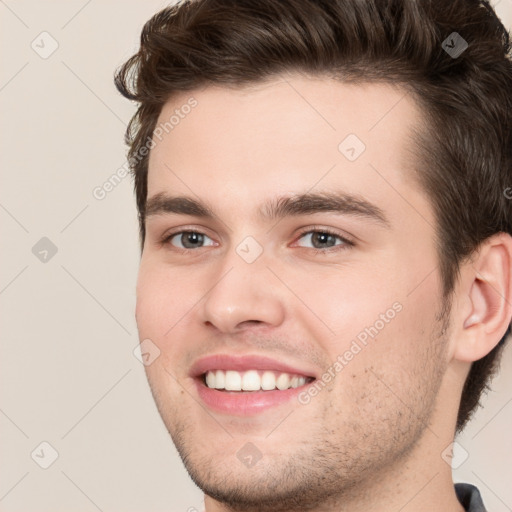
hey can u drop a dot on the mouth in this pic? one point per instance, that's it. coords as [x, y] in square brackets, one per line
[248, 385]
[253, 380]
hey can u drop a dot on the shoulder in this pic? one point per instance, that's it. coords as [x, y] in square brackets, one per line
[469, 497]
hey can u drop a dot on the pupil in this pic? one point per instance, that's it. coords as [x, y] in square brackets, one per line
[323, 238]
[191, 239]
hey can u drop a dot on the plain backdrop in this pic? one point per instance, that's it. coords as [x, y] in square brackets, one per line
[69, 378]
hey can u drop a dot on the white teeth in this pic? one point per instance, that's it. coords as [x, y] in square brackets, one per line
[210, 379]
[220, 379]
[283, 381]
[268, 381]
[252, 380]
[233, 381]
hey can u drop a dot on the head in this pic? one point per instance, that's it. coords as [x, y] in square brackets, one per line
[263, 102]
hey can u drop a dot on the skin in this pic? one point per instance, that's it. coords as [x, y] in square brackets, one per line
[372, 439]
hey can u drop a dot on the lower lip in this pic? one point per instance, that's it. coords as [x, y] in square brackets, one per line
[245, 403]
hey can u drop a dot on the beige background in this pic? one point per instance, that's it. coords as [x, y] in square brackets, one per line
[68, 375]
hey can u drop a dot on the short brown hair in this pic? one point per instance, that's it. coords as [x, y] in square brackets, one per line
[465, 155]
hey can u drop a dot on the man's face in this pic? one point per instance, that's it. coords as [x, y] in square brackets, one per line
[246, 284]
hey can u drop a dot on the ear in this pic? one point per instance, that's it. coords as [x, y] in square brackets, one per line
[485, 299]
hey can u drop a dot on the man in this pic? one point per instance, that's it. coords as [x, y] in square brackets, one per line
[326, 249]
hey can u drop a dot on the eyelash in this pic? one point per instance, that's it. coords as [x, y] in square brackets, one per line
[346, 243]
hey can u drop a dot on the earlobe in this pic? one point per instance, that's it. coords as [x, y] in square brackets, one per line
[489, 283]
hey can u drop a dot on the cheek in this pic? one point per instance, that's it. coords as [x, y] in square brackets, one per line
[369, 317]
[162, 306]
[162, 299]
[345, 302]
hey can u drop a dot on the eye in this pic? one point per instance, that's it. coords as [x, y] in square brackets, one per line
[325, 239]
[322, 240]
[187, 240]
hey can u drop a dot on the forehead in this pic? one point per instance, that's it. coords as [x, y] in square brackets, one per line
[286, 135]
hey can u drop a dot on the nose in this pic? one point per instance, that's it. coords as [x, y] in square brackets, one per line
[242, 295]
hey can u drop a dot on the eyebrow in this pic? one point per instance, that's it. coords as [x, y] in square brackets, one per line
[293, 205]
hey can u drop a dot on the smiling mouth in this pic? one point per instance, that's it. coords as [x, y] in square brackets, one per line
[253, 380]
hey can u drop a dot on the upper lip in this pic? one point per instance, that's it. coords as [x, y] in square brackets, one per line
[243, 363]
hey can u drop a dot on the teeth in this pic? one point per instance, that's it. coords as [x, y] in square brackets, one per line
[252, 380]
[283, 381]
[210, 380]
[233, 381]
[220, 379]
[268, 381]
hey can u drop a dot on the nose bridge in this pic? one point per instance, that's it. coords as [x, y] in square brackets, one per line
[241, 291]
